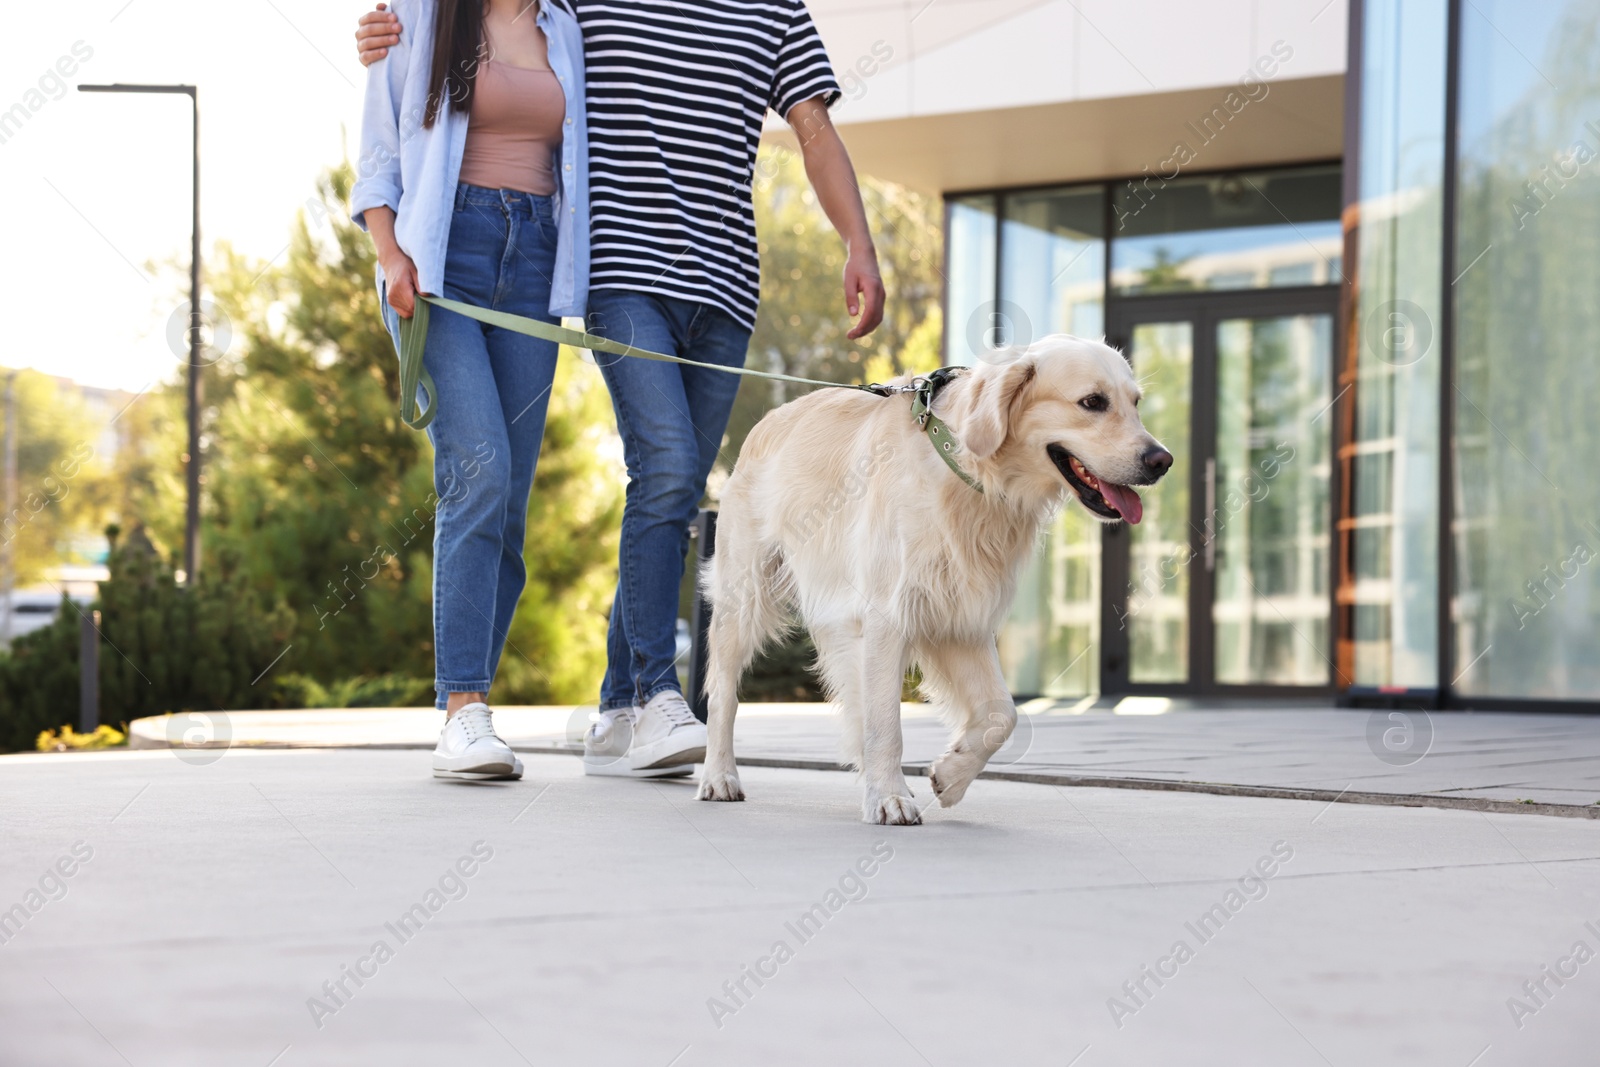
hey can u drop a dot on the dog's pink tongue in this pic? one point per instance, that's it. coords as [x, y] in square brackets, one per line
[1125, 500]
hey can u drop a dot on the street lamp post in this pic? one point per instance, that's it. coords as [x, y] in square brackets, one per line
[191, 526]
[13, 431]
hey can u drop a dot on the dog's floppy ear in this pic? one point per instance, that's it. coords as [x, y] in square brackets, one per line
[997, 395]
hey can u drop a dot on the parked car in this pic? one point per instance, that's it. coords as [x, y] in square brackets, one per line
[34, 609]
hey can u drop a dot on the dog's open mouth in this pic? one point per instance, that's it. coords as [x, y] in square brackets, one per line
[1106, 499]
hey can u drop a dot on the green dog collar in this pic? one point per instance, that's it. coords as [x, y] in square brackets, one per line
[923, 391]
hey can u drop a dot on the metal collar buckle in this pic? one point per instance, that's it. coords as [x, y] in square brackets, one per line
[921, 390]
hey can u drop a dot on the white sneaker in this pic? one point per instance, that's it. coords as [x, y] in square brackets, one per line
[667, 734]
[468, 748]
[606, 744]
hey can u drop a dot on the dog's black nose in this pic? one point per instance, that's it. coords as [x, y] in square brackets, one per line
[1157, 462]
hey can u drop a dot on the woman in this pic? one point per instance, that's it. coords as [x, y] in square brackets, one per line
[474, 185]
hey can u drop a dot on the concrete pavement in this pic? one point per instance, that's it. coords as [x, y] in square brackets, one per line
[227, 911]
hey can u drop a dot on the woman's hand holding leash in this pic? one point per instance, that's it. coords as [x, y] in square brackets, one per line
[399, 272]
[400, 281]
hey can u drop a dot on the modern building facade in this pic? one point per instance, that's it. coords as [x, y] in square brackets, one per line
[1354, 253]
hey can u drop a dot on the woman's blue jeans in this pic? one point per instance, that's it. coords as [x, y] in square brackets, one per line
[671, 419]
[493, 388]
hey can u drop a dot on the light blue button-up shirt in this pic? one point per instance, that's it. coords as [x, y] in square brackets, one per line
[414, 170]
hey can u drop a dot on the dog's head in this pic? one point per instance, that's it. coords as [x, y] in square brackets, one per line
[1064, 410]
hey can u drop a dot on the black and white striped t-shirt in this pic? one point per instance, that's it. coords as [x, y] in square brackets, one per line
[677, 92]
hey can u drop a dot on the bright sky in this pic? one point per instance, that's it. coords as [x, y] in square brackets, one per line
[96, 187]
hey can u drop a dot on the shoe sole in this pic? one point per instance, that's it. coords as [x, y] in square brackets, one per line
[479, 776]
[618, 767]
[483, 772]
[648, 759]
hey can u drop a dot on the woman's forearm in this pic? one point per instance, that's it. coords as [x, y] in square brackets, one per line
[399, 273]
[380, 225]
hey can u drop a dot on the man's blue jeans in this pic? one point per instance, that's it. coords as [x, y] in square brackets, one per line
[493, 389]
[671, 419]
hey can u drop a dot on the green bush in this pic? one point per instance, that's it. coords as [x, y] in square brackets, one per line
[177, 648]
[164, 648]
[383, 691]
[39, 682]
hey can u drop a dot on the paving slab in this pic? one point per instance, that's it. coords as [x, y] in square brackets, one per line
[230, 910]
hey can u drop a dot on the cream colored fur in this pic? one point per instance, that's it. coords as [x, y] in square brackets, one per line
[841, 516]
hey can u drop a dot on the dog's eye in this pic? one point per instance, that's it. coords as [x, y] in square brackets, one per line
[1095, 402]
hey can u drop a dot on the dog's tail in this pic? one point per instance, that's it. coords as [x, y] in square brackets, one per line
[746, 585]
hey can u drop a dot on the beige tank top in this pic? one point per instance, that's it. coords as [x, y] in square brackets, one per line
[515, 129]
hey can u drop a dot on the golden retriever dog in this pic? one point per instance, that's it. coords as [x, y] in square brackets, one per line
[843, 516]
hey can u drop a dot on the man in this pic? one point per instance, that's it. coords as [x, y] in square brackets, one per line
[677, 91]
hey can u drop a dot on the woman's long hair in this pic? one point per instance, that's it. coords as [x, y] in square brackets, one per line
[457, 54]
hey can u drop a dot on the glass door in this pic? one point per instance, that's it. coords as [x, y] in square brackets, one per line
[1270, 504]
[1226, 583]
[1155, 616]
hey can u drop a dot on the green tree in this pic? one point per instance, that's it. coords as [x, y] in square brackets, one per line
[60, 475]
[315, 491]
[1165, 274]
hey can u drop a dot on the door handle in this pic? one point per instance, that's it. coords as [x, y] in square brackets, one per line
[1211, 513]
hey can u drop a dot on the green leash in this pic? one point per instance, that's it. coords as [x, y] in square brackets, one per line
[414, 332]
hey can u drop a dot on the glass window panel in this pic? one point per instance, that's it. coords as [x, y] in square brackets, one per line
[1373, 554]
[1526, 606]
[969, 283]
[1159, 555]
[1046, 645]
[1373, 495]
[1399, 237]
[1271, 512]
[1236, 231]
[1053, 278]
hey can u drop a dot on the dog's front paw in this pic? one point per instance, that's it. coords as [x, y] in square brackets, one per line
[892, 811]
[950, 775]
[720, 786]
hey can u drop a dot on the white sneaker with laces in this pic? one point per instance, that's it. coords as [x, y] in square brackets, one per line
[606, 744]
[667, 734]
[469, 748]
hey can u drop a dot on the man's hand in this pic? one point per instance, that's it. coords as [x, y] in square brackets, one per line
[834, 179]
[863, 291]
[377, 31]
